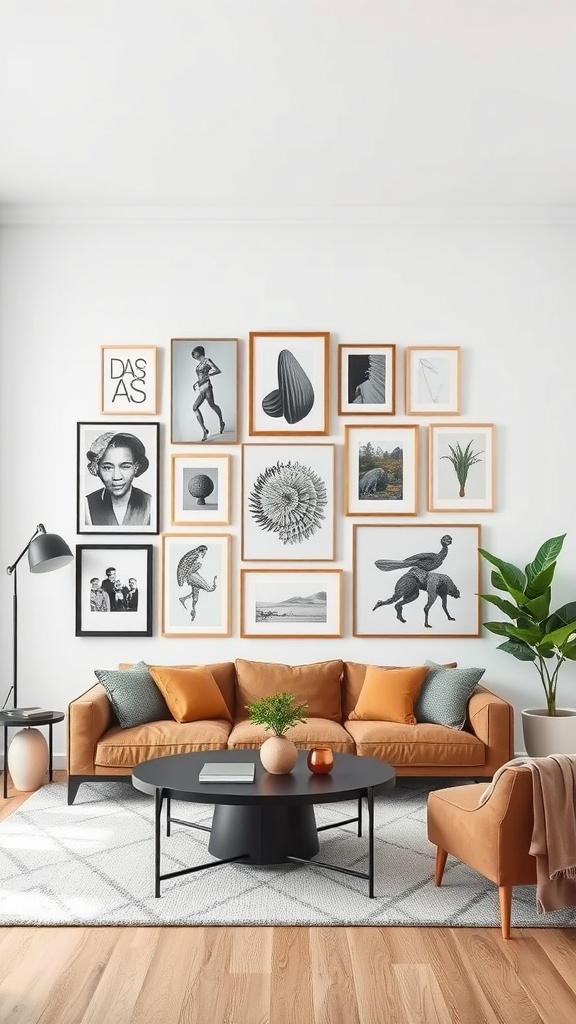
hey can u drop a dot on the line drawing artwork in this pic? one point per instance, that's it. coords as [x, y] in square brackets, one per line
[433, 380]
[188, 573]
[288, 499]
[421, 577]
[312, 608]
[294, 397]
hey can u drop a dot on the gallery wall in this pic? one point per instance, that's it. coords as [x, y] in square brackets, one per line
[503, 293]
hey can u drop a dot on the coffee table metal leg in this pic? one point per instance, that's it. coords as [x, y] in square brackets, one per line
[370, 800]
[158, 799]
[359, 815]
[50, 749]
[168, 814]
[5, 761]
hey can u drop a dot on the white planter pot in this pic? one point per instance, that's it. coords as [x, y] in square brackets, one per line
[545, 734]
[28, 759]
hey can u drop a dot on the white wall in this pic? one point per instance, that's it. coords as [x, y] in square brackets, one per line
[504, 293]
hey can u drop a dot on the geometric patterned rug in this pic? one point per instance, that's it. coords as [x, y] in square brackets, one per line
[92, 864]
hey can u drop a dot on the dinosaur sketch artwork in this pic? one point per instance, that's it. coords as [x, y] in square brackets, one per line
[421, 577]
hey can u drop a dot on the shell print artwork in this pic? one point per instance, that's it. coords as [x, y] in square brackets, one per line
[288, 499]
[294, 397]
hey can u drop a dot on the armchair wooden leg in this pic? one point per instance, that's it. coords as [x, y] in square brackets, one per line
[505, 899]
[440, 864]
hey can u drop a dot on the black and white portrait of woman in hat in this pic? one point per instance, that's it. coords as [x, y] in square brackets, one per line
[117, 459]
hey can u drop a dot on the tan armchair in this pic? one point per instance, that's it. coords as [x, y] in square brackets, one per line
[494, 839]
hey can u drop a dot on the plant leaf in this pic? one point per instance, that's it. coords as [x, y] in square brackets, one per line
[500, 628]
[539, 584]
[547, 553]
[505, 606]
[518, 650]
[539, 607]
[560, 636]
[569, 651]
[561, 617]
[513, 577]
[497, 581]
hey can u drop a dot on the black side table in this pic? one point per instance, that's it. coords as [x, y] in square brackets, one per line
[11, 720]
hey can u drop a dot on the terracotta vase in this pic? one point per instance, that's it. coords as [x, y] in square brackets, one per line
[278, 755]
[28, 759]
[320, 760]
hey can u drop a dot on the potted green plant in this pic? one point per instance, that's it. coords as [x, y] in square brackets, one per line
[278, 712]
[534, 633]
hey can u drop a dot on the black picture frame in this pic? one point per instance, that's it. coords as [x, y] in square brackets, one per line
[97, 615]
[94, 488]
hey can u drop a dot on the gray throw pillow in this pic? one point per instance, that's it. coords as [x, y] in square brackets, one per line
[133, 694]
[445, 693]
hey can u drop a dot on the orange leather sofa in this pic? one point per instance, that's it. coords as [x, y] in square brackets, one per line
[99, 749]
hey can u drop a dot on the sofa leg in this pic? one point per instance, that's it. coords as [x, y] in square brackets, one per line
[74, 784]
[440, 864]
[505, 900]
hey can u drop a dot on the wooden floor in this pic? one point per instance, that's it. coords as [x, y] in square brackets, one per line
[284, 975]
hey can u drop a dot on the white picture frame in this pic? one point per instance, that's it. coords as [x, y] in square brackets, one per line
[288, 502]
[288, 383]
[381, 470]
[366, 380]
[291, 603]
[461, 467]
[433, 380]
[200, 489]
[196, 585]
[128, 380]
[416, 580]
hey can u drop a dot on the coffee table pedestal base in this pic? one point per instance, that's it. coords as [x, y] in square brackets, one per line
[263, 835]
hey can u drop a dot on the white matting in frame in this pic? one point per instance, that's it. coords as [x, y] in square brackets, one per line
[117, 477]
[416, 580]
[288, 391]
[381, 470]
[128, 380]
[200, 489]
[291, 603]
[366, 380]
[113, 590]
[196, 597]
[433, 381]
[288, 502]
[461, 467]
[204, 391]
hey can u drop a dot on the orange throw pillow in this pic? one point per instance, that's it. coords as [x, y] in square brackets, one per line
[389, 694]
[192, 694]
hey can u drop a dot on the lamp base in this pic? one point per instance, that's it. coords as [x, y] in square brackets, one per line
[28, 759]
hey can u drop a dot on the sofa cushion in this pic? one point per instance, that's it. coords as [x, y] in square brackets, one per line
[314, 732]
[317, 684]
[125, 748]
[445, 694]
[389, 694]
[190, 693]
[352, 680]
[133, 694]
[418, 745]
[224, 673]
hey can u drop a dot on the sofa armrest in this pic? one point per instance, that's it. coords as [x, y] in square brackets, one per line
[89, 717]
[491, 719]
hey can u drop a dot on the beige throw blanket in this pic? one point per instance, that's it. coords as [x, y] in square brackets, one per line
[554, 834]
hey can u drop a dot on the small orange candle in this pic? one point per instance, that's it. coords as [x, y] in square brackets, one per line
[320, 760]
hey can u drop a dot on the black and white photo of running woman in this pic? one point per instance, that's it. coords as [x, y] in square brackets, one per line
[204, 386]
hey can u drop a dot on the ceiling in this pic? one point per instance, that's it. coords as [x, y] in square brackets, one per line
[309, 103]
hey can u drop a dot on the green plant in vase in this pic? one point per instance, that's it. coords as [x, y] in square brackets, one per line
[277, 713]
[534, 633]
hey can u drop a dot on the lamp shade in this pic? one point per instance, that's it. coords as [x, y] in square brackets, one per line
[48, 551]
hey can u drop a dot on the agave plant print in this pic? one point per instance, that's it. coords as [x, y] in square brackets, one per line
[461, 468]
[287, 502]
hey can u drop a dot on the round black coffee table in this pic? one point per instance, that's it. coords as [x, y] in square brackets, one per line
[268, 821]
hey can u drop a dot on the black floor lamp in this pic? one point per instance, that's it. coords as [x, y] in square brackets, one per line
[46, 551]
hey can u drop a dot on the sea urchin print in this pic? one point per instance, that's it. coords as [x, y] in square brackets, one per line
[288, 499]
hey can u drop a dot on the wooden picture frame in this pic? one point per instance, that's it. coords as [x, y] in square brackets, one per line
[114, 590]
[200, 489]
[433, 380]
[366, 380]
[291, 603]
[196, 584]
[117, 477]
[128, 380]
[204, 391]
[461, 467]
[288, 502]
[381, 470]
[416, 580]
[288, 383]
